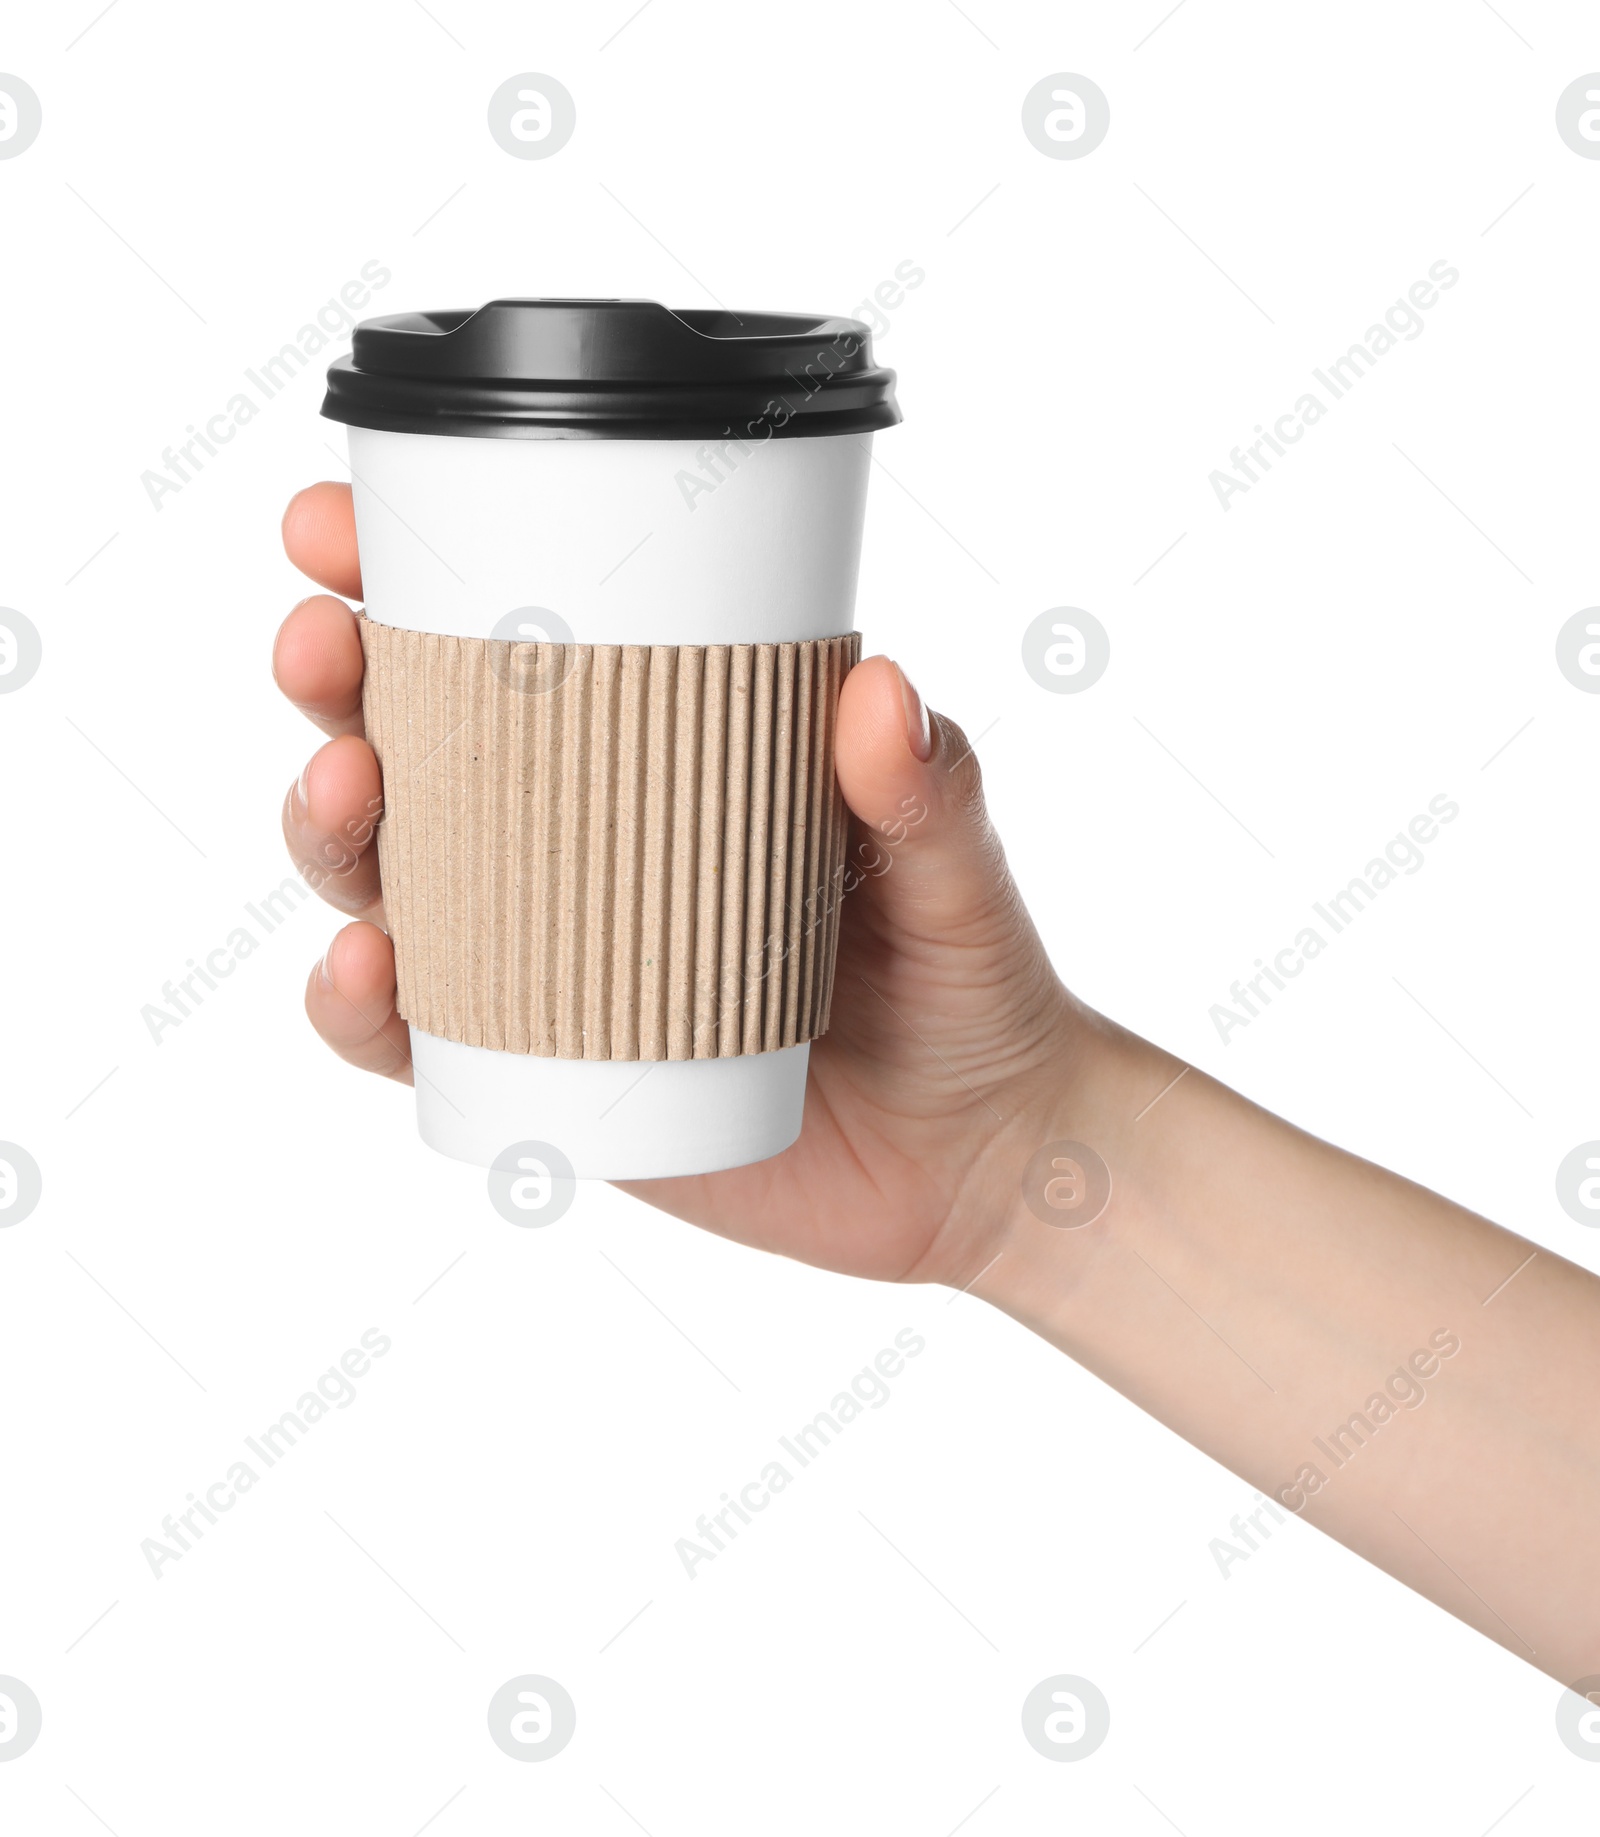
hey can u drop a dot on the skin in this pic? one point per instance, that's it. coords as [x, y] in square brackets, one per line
[1250, 1286]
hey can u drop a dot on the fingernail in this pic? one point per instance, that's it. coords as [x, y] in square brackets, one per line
[324, 971]
[302, 790]
[919, 729]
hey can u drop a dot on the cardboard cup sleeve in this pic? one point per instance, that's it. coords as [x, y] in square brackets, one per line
[610, 851]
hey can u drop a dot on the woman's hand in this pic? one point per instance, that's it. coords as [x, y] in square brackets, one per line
[951, 1043]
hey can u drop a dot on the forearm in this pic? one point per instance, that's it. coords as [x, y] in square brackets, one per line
[1389, 1366]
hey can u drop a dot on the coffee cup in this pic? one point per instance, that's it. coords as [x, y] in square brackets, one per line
[609, 556]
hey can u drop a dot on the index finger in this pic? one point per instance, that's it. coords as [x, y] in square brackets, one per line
[319, 537]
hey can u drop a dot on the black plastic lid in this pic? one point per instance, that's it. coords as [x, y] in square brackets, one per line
[610, 370]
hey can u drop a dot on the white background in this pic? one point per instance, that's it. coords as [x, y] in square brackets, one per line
[1323, 658]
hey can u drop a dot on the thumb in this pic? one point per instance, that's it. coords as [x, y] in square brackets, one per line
[932, 860]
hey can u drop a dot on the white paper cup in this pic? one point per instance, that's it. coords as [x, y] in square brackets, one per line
[589, 536]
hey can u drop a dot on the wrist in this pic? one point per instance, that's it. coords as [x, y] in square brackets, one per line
[1072, 1172]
